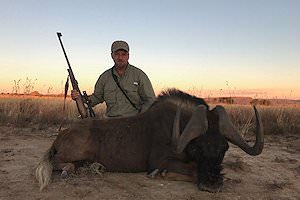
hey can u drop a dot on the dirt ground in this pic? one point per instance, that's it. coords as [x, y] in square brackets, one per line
[272, 175]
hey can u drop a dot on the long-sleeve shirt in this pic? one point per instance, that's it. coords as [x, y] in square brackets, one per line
[136, 85]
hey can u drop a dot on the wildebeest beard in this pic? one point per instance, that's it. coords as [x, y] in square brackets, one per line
[208, 152]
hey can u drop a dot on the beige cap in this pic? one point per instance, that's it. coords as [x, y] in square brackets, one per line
[119, 44]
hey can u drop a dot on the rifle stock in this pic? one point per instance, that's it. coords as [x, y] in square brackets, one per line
[79, 101]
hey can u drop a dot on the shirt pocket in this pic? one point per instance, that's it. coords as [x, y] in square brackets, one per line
[132, 92]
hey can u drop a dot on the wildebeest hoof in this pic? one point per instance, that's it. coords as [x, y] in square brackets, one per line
[212, 189]
[153, 174]
[164, 173]
[64, 174]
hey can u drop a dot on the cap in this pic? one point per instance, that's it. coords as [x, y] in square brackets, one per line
[119, 44]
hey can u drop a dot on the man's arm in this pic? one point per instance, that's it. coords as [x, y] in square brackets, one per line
[97, 96]
[146, 92]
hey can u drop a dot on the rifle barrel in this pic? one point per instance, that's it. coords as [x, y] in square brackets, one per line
[62, 46]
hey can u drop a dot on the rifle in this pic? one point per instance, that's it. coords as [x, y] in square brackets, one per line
[83, 99]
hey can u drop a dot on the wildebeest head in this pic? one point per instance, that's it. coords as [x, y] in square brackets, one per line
[204, 140]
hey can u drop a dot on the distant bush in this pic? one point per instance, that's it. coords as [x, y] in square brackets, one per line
[222, 100]
[228, 100]
[265, 102]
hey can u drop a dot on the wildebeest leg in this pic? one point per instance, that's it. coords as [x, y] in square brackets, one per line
[172, 176]
[170, 166]
[177, 170]
[157, 160]
[66, 167]
[154, 173]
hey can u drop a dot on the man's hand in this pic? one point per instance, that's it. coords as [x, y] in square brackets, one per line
[75, 94]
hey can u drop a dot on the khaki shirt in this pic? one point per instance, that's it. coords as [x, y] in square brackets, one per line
[134, 82]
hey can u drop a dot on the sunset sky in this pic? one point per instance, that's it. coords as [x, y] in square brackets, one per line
[213, 48]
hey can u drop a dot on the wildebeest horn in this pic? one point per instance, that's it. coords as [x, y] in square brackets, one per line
[232, 135]
[196, 126]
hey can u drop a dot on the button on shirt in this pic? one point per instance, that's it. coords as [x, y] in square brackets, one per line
[136, 85]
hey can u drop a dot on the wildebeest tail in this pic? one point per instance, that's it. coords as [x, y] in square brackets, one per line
[43, 170]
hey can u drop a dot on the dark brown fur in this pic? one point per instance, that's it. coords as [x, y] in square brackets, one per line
[134, 144]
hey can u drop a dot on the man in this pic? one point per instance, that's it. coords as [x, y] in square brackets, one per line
[137, 95]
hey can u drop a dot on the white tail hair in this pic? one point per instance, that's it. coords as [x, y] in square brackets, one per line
[43, 170]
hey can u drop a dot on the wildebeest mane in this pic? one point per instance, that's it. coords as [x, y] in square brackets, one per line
[180, 98]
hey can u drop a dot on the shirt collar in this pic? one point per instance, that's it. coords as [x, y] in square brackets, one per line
[126, 70]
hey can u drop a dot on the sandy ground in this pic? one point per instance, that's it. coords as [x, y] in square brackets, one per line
[272, 175]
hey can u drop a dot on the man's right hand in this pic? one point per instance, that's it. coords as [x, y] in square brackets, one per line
[75, 94]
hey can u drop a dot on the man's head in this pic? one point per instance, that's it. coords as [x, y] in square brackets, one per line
[120, 53]
[119, 45]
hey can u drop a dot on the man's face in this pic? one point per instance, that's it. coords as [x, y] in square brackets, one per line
[120, 58]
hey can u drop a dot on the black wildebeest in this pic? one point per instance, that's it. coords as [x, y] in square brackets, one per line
[178, 135]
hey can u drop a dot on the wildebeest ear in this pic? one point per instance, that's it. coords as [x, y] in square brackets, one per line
[196, 126]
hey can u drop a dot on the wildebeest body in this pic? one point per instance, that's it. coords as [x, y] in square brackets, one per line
[131, 144]
[175, 135]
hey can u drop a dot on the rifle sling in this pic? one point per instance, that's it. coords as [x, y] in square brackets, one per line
[118, 84]
[64, 108]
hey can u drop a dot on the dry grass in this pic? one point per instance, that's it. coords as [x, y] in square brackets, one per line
[25, 111]
[277, 119]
